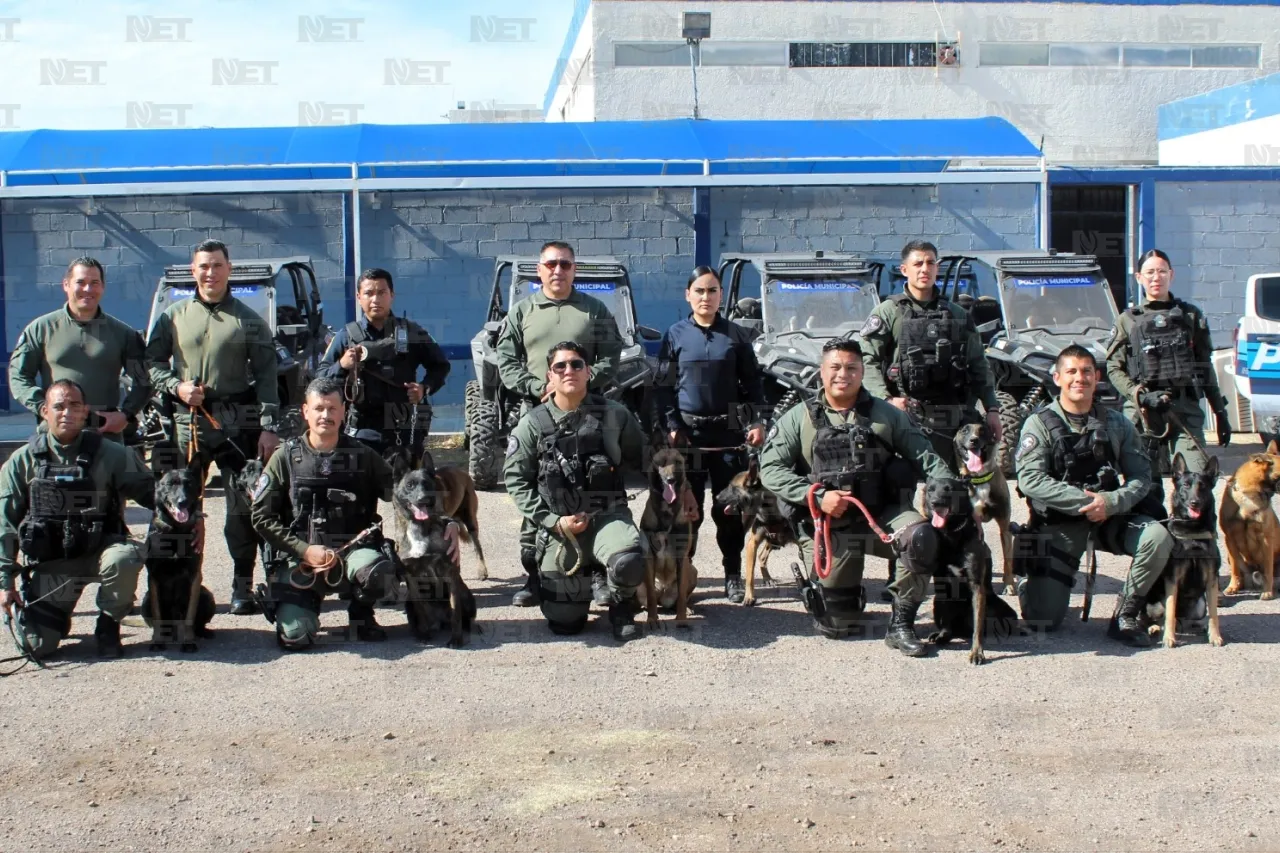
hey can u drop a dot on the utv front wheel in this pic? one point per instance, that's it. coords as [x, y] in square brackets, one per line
[1011, 419]
[484, 457]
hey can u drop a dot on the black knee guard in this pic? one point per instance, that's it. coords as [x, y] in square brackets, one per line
[917, 547]
[626, 568]
[374, 581]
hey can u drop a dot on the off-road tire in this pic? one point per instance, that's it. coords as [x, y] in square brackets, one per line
[484, 453]
[1011, 419]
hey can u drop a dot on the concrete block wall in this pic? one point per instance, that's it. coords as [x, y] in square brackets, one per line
[1217, 235]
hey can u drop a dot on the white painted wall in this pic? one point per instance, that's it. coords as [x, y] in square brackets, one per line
[1086, 115]
[574, 99]
[1249, 143]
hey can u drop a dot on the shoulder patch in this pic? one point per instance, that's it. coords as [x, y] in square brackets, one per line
[873, 325]
[513, 444]
[1028, 444]
[259, 486]
[773, 431]
[1111, 337]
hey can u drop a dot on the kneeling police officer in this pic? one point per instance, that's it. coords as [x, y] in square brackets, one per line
[1069, 461]
[61, 502]
[847, 443]
[564, 471]
[318, 494]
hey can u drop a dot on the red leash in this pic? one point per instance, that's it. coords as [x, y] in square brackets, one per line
[822, 531]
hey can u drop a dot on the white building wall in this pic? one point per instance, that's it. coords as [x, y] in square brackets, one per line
[574, 99]
[1084, 114]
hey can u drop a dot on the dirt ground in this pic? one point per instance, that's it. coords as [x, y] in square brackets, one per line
[747, 731]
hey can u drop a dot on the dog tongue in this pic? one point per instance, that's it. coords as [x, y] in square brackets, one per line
[973, 462]
[180, 515]
[668, 493]
[420, 514]
[939, 520]
[1194, 513]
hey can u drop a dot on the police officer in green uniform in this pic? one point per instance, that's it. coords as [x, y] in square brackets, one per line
[378, 356]
[1160, 359]
[558, 311]
[1084, 475]
[848, 443]
[83, 343]
[214, 359]
[318, 493]
[924, 355]
[564, 467]
[61, 503]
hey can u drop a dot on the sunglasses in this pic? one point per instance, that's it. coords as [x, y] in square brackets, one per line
[558, 262]
[571, 364]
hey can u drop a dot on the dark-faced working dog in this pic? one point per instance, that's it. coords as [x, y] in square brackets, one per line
[979, 464]
[669, 576]
[963, 601]
[425, 506]
[176, 606]
[1192, 570]
[767, 529]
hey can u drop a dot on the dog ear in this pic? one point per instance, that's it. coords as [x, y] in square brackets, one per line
[1273, 448]
[1179, 466]
[1211, 470]
[753, 469]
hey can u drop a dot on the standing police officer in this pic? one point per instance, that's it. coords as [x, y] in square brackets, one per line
[1069, 461]
[1161, 360]
[61, 503]
[380, 354]
[564, 467]
[83, 343]
[317, 494]
[556, 312]
[710, 396]
[850, 444]
[215, 359]
[924, 355]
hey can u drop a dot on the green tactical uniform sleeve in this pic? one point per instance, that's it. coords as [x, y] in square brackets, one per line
[263, 367]
[1118, 357]
[511, 355]
[272, 513]
[878, 345]
[159, 355]
[1033, 462]
[981, 385]
[24, 367]
[129, 477]
[14, 477]
[631, 443]
[910, 443]
[1134, 464]
[135, 367]
[1202, 348]
[782, 459]
[520, 473]
[607, 347]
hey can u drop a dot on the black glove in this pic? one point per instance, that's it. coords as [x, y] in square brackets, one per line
[1156, 401]
[1222, 424]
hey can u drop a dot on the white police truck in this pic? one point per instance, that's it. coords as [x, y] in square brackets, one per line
[1256, 365]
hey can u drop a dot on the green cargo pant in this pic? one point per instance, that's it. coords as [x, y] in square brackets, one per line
[231, 450]
[115, 568]
[611, 542]
[1053, 552]
[298, 610]
[1161, 450]
[851, 541]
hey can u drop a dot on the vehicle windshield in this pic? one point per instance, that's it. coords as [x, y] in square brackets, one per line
[1057, 301]
[613, 294]
[819, 308]
[256, 296]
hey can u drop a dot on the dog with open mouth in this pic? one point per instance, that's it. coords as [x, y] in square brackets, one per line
[667, 528]
[176, 606]
[976, 449]
[964, 602]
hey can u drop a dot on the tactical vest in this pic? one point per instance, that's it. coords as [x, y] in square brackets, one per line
[931, 364]
[849, 456]
[388, 358]
[68, 515]
[1161, 357]
[333, 495]
[575, 473]
[1087, 460]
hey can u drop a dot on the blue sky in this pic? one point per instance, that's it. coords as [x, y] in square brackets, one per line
[78, 64]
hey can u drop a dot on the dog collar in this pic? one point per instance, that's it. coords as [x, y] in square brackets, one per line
[984, 479]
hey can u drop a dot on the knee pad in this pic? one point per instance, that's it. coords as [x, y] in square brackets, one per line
[44, 618]
[373, 582]
[567, 629]
[917, 546]
[529, 560]
[565, 617]
[294, 644]
[626, 568]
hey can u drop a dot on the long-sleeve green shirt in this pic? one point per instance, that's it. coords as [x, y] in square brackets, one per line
[1201, 348]
[536, 324]
[93, 353]
[114, 468]
[226, 345]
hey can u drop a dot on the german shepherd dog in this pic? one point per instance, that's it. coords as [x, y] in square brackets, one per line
[1192, 570]
[1249, 524]
[669, 576]
[988, 490]
[963, 601]
[767, 529]
[425, 506]
[176, 606]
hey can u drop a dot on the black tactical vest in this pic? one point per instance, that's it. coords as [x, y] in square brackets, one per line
[67, 515]
[931, 365]
[575, 473]
[849, 456]
[1087, 459]
[1160, 352]
[389, 358]
[334, 495]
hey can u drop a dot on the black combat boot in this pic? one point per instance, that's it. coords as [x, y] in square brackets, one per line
[622, 618]
[242, 603]
[902, 629]
[600, 588]
[361, 618]
[107, 633]
[530, 595]
[1126, 624]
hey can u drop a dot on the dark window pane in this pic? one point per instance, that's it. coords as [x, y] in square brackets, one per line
[1267, 298]
[863, 55]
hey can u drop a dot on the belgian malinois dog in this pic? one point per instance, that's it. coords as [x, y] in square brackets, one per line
[767, 529]
[668, 533]
[979, 466]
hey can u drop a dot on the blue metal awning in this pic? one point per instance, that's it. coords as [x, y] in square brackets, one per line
[383, 153]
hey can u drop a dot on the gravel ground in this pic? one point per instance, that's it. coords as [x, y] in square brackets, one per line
[746, 731]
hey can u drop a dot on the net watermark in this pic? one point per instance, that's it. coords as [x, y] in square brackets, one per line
[415, 72]
[322, 113]
[8, 113]
[1187, 28]
[1262, 155]
[324, 29]
[8, 28]
[139, 114]
[1018, 28]
[71, 72]
[150, 28]
[244, 72]
[1103, 244]
[494, 28]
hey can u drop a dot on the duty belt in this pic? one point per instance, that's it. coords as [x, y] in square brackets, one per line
[701, 422]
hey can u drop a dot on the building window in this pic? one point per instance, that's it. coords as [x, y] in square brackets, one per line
[1157, 56]
[912, 54]
[1127, 55]
[1225, 56]
[743, 53]
[1084, 54]
[650, 54]
[1012, 53]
